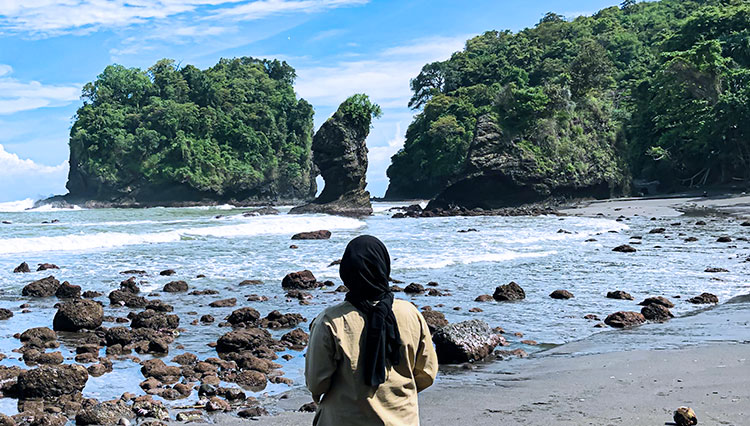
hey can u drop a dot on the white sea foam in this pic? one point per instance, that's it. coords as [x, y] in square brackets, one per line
[27, 205]
[264, 225]
[444, 260]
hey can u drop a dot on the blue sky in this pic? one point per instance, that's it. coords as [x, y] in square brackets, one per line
[50, 48]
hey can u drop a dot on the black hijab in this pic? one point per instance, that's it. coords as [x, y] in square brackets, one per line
[365, 268]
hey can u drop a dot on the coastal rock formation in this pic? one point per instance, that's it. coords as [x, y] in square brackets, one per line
[500, 171]
[176, 287]
[302, 280]
[51, 381]
[340, 154]
[22, 268]
[77, 315]
[619, 294]
[624, 248]
[561, 294]
[704, 298]
[254, 340]
[466, 341]
[46, 287]
[624, 319]
[657, 313]
[509, 292]
[658, 300]
[68, 291]
[435, 320]
[314, 235]
[104, 413]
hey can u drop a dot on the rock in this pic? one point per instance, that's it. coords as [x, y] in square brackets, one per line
[252, 412]
[466, 341]
[90, 294]
[203, 292]
[276, 319]
[5, 314]
[724, 239]
[314, 235]
[624, 249]
[207, 319]
[22, 268]
[77, 315]
[619, 294]
[434, 292]
[38, 334]
[130, 285]
[175, 287]
[704, 298]
[298, 294]
[340, 153]
[657, 313]
[715, 270]
[223, 303]
[68, 291]
[6, 420]
[217, 404]
[657, 231]
[250, 282]
[185, 359]
[167, 272]
[119, 336]
[159, 306]
[155, 320]
[658, 300]
[158, 346]
[484, 298]
[51, 381]
[157, 369]
[301, 280]
[310, 407]
[243, 315]
[435, 320]
[296, 338]
[509, 292]
[690, 239]
[127, 298]
[46, 287]
[685, 416]
[104, 413]
[414, 288]
[624, 319]
[252, 380]
[246, 339]
[46, 266]
[561, 294]
[591, 317]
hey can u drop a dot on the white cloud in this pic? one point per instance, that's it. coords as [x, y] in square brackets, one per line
[13, 165]
[383, 153]
[54, 17]
[18, 96]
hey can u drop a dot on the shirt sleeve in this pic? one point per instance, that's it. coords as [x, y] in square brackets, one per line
[320, 360]
[426, 365]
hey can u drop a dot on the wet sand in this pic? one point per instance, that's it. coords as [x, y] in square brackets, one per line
[726, 204]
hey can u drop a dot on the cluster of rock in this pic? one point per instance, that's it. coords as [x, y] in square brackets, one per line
[416, 211]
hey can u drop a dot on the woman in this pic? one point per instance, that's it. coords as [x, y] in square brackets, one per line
[369, 355]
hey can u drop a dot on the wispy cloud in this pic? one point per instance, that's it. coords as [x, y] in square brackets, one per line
[18, 96]
[13, 165]
[43, 18]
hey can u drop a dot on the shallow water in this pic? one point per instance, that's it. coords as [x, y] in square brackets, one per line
[93, 246]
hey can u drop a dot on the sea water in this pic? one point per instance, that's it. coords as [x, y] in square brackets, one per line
[541, 254]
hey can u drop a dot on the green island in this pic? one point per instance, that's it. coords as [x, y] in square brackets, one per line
[600, 105]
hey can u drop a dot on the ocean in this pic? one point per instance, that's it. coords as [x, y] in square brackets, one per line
[541, 254]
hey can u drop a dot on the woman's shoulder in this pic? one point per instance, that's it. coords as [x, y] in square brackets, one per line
[404, 306]
[336, 311]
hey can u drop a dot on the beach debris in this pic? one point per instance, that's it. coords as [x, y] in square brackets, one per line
[656, 313]
[624, 248]
[314, 235]
[658, 300]
[301, 280]
[724, 239]
[22, 268]
[45, 287]
[175, 287]
[434, 319]
[623, 319]
[68, 291]
[619, 295]
[561, 295]
[715, 270]
[466, 341]
[704, 298]
[414, 288]
[685, 416]
[509, 292]
[77, 315]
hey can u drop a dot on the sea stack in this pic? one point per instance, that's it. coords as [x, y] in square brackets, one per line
[340, 154]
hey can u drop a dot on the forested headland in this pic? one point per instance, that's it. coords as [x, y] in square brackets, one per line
[651, 91]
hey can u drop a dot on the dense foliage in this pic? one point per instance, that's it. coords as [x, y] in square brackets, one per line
[233, 130]
[653, 90]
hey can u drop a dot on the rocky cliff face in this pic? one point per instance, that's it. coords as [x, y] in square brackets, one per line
[340, 154]
[499, 172]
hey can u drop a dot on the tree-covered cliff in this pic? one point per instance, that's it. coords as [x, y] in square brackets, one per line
[652, 90]
[176, 133]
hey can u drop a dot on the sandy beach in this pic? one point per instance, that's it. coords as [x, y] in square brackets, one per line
[673, 206]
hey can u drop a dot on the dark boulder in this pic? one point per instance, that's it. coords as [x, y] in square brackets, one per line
[302, 280]
[223, 303]
[466, 341]
[245, 339]
[685, 416]
[77, 315]
[46, 266]
[715, 270]
[261, 211]
[22, 268]
[435, 320]
[38, 334]
[619, 295]
[340, 154]
[251, 282]
[704, 298]
[658, 300]
[657, 313]
[119, 336]
[51, 381]
[624, 319]
[68, 291]
[276, 319]
[5, 314]
[509, 292]
[561, 294]
[296, 338]
[175, 287]
[724, 239]
[104, 413]
[155, 320]
[167, 272]
[127, 298]
[314, 235]
[414, 288]
[45, 287]
[130, 285]
[624, 249]
[243, 316]
[484, 298]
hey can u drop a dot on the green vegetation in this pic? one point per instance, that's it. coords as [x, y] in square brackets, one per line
[235, 130]
[652, 90]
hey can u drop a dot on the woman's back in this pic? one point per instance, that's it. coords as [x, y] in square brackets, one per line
[333, 370]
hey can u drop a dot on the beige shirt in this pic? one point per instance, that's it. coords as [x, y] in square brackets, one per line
[337, 383]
